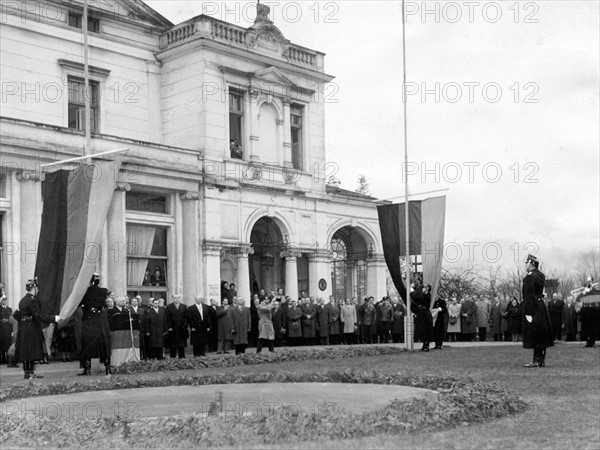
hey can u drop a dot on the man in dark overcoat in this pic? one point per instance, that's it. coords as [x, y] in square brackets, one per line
[240, 317]
[177, 324]
[555, 311]
[200, 322]
[213, 334]
[309, 321]
[30, 340]
[156, 328]
[399, 312]
[95, 331]
[537, 331]
[335, 325]
[224, 327]
[441, 323]
[496, 319]
[5, 329]
[323, 321]
[420, 305]
[368, 320]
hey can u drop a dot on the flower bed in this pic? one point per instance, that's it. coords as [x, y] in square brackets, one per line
[457, 402]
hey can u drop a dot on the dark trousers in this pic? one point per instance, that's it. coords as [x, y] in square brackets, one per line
[240, 348]
[384, 332]
[482, 334]
[155, 353]
[224, 345]
[497, 337]
[261, 342]
[539, 355]
[199, 349]
[557, 334]
[570, 337]
[334, 339]
[177, 351]
[398, 338]
[324, 340]
[366, 333]
[349, 338]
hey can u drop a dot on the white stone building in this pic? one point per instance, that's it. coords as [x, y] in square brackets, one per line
[224, 177]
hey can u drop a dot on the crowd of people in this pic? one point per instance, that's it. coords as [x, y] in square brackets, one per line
[158, 328]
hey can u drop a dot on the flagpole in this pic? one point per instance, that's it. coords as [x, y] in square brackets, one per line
[409, 323]
[80, 158]
[87, 93]
[416, 194]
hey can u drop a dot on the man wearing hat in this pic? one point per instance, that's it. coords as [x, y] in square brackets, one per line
[30, 340]
[537, 332]
[95, 331]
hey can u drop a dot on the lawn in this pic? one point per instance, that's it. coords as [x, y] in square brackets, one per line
[564, 397]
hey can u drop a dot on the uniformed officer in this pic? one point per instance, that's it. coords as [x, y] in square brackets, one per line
[95, 331]
[30, 340]
[5, 329]
[537, 331]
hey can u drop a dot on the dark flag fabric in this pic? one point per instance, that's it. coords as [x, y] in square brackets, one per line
[75, 206]
[426, 219]
[124, 337]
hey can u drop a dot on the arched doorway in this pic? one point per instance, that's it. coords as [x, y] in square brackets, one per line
[349, 263]
[266, 264]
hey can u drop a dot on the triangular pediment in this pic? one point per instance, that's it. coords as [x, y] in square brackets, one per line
[273, 75]
[133, 10]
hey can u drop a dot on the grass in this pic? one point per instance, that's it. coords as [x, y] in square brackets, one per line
[564, 396]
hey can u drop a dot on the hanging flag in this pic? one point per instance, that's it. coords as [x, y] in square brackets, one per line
[426, 239]
[75, 206]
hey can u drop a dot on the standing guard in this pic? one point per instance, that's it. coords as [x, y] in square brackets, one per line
[537, 332]
[5, 329]
[95, 332]
[30, 340]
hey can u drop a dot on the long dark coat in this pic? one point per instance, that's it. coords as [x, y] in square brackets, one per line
[538, 333]
[496, 318]
[420, 304]
[278, 322]
[570, 319]
[95, 331]
[200, 325]
[555, 311]
[399, 311]
[335, 325]
[368, 318]
[441, 323]
[514, 314]
[177, 324]
[309, 320]
[224, 324]
[30, 340]
[5, 328]
[468, 324]
[241, 324]
[294, 326]
[323, 319]
[156, 325]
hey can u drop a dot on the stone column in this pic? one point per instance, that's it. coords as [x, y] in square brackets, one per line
[30, 219]
[291, 272]
[242, 280]
[251, 124]
[376, 282]
[211, 258]
[116, 278]
[287, 135]
[319, 267]
[191, 236]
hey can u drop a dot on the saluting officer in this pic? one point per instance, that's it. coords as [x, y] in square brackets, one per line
[30, 340]
[95, 331]
[537, 331]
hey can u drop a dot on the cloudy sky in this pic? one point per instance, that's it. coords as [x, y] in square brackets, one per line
[503, 110]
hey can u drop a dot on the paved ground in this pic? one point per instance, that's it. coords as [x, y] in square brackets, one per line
[246, 400]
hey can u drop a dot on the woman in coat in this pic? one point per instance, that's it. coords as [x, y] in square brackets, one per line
[513, 312]
[441, 322]
[294, 326]
[454, 311]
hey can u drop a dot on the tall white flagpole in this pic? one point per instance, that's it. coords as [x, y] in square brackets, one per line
[87, 93]
[409, 322]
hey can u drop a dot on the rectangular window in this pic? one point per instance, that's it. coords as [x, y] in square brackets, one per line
[3, 181]
[236, 115]
[77, 96]
[296, 124]
[76, 21]
[140, 201]
[147, 257]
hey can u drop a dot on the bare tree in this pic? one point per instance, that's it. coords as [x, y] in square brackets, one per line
[460, 281]
[492, 279]
[588, 266]
[363, 185]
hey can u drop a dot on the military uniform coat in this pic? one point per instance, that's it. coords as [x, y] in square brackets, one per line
[538, 333]
[95, 330]
[241, 324]
[177, 322]
[30, 340]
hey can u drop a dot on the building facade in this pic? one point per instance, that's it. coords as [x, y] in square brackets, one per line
[224, 177]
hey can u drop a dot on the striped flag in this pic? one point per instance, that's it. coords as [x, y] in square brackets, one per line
[75, 207]
[426, 232]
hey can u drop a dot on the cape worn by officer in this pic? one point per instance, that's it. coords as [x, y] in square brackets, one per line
[537, 331]
[30, 339]
[95, 331]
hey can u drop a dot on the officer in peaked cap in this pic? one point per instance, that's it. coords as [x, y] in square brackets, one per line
[537, 332]
[30, 340]
[95, 332]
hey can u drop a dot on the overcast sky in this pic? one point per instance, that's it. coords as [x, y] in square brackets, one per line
[512, 127]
